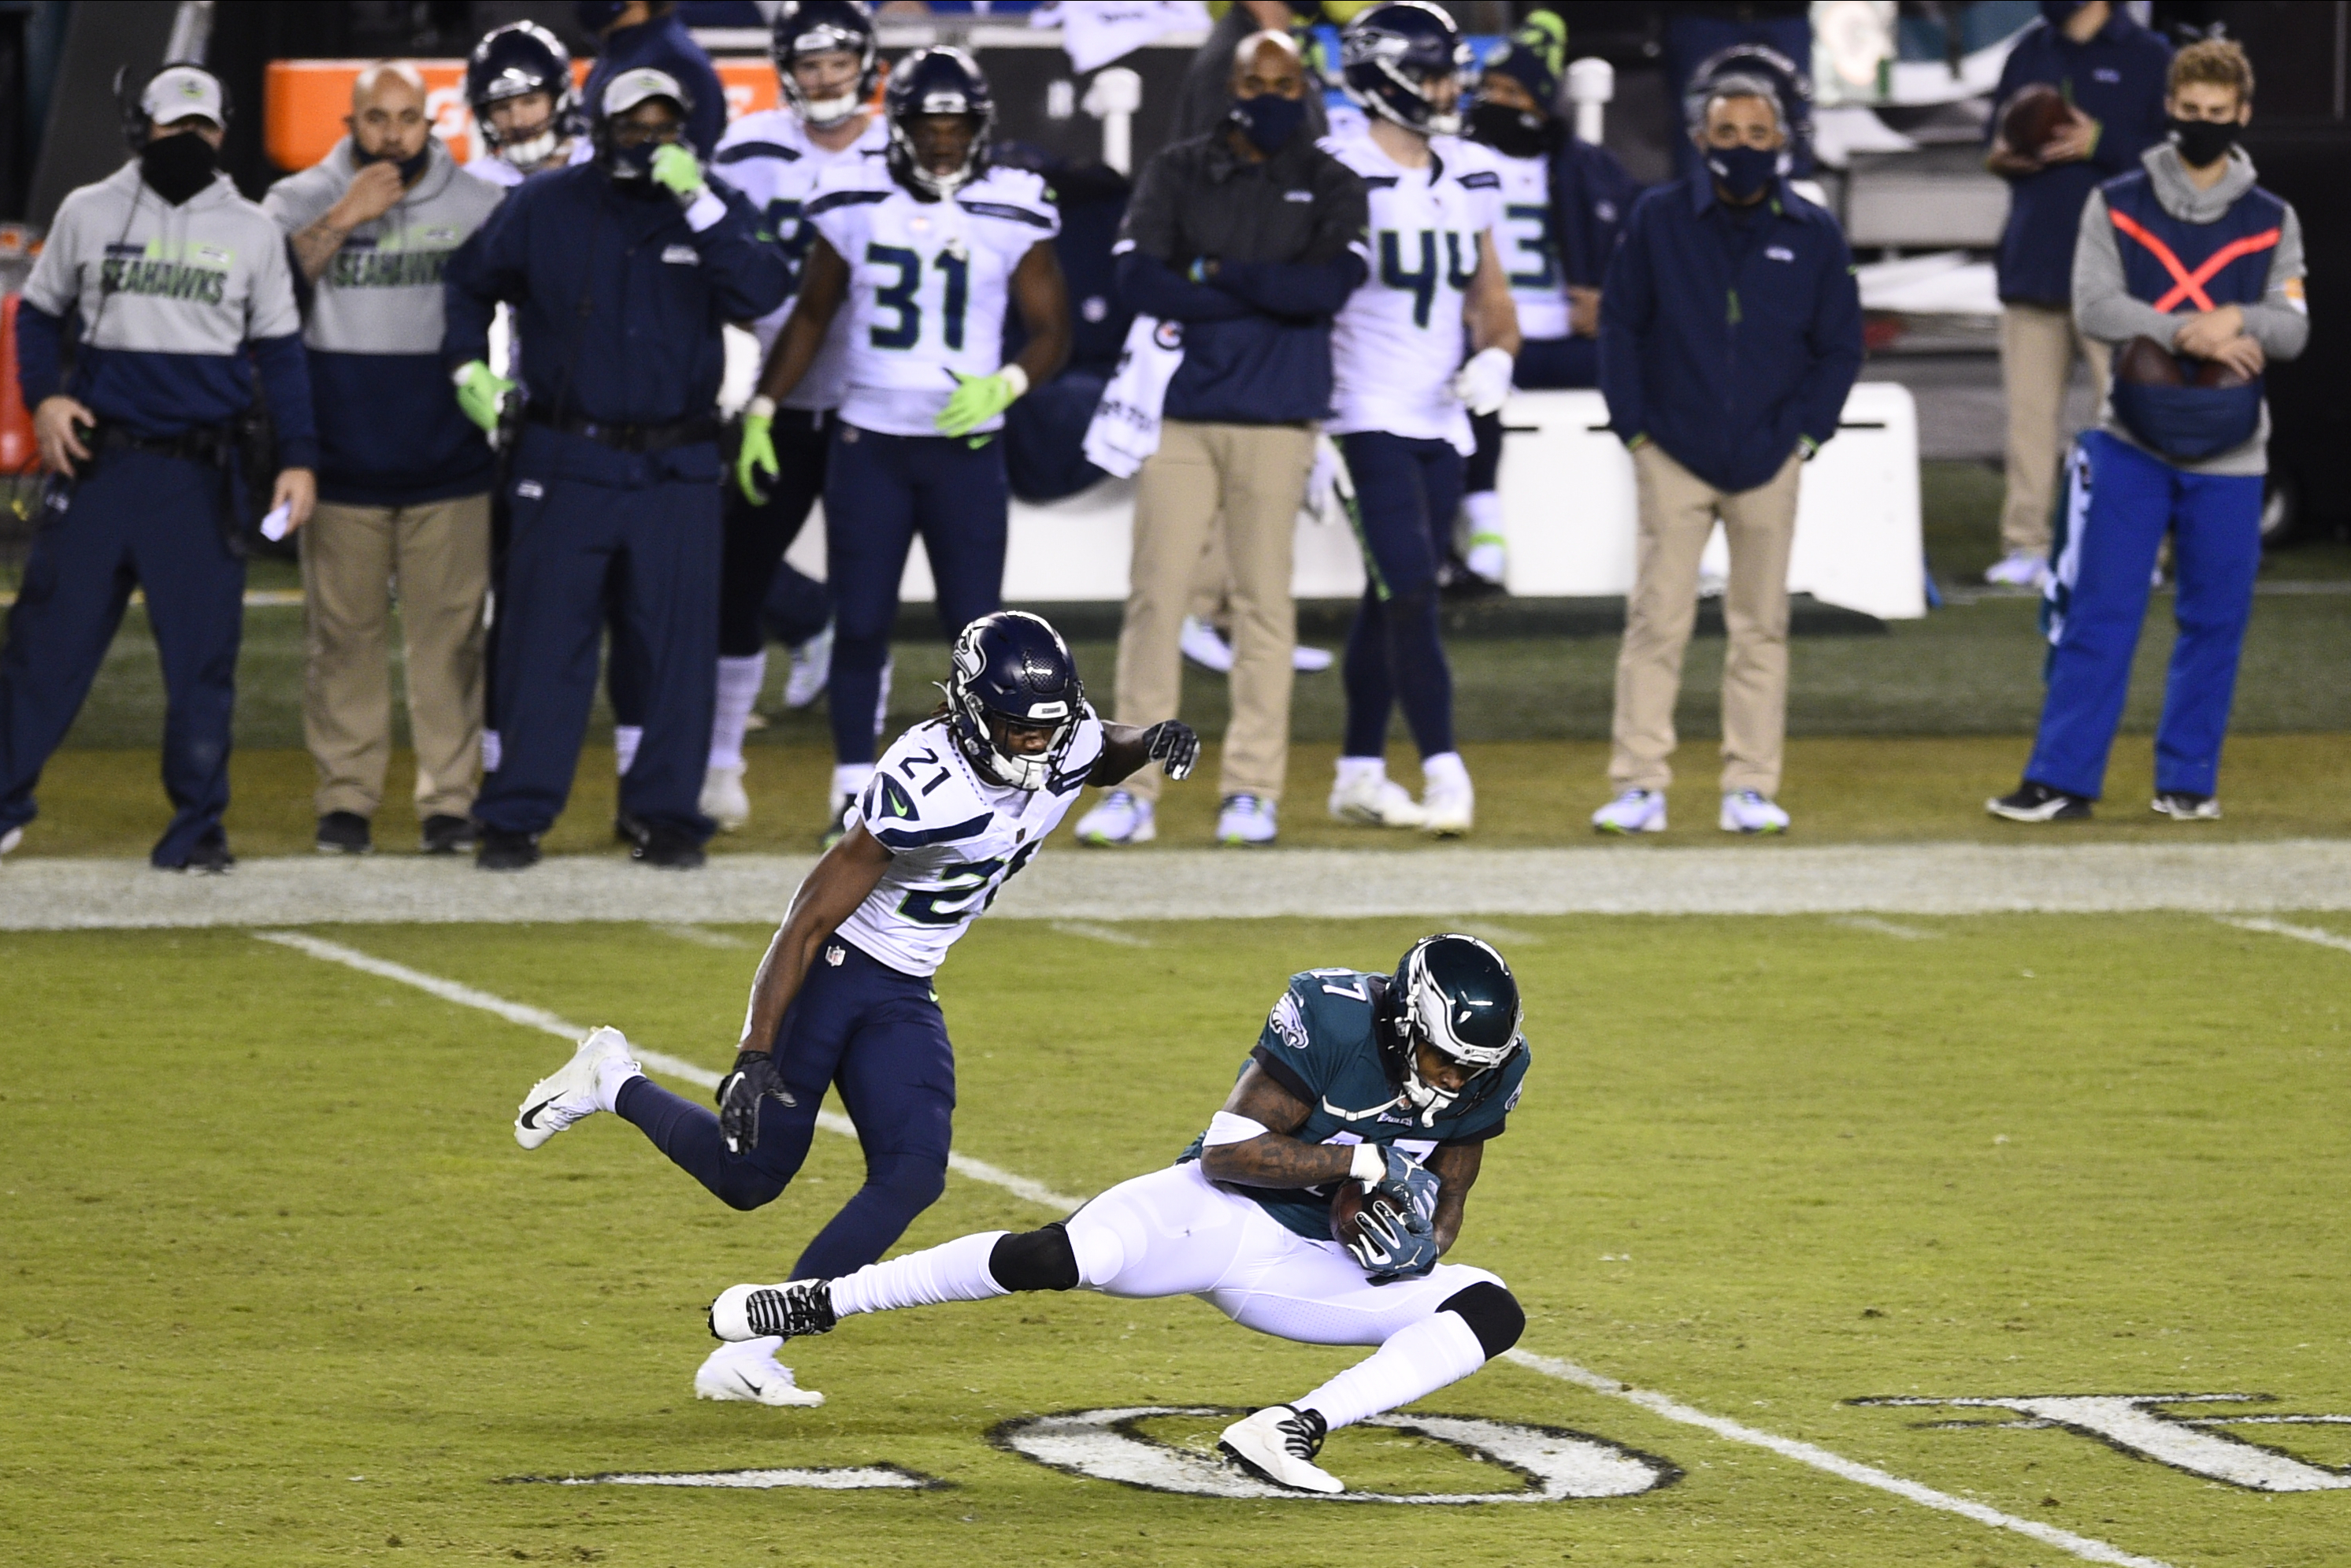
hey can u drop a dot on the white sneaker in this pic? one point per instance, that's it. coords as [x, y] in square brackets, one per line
[1203, 645]
[811, 670]
[1245, 822]
[578, 1089]
[724, 800]
[1634, 811]
[1280, 1443]
[1750, 811]
[750, 1374]
[1121, 819]
[1309, 661]
[1489, 560]
[790, 1311]
[1372, 800]
[10, 840]
[2018, 569]
[1448, 802]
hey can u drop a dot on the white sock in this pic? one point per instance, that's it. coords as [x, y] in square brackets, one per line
[851, 778]
[1415, 1363]
[491, 751]
[1444, 769]
[882, 704]
[957, 1271]
[1354, 770]
[1484, 510]
[624, 745]
[611, 1077]
[739, 680]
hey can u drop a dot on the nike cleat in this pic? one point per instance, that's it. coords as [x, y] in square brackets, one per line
[749, 1374]
[575, 1091]
[1122, 817]
[2034, 802]
[793, 1309]
[1279, 1444]
[1750, 811]
[724, 800]
[1634, 811]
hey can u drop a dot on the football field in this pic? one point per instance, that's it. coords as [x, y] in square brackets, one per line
[1986, 1239]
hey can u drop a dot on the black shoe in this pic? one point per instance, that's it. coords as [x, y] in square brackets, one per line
[446, 835]
[209, 855]
[2039, 803]
[344, 833]
[670, 848]
[499, 851]
[629, 830]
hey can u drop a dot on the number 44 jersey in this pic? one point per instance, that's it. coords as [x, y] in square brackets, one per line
[954, 840]
[928, 283]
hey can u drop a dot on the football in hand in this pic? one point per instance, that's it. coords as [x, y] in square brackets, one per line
[2035, 113]
[1348, 1209]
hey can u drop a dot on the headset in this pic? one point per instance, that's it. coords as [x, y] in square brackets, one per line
[128, 94]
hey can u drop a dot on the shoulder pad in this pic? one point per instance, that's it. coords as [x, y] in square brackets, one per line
[1004, 210]
[834, 201]
[919, 796]
[736, 152]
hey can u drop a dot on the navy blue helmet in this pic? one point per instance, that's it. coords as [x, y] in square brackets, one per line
[819, 28]
[936, 81]
[1392, 56]
[513, 61]
[1455, 994]
[1012, 667]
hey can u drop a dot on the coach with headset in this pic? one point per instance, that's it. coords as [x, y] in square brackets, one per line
[175, 290]
[621, 273]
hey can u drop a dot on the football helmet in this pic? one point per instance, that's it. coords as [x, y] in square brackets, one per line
[1012, 667]
[819, 28]
[1456, 995]
[1391, 56]
[513, 61]
[936, 81]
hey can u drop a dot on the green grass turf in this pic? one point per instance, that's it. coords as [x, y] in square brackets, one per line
[279, 1289]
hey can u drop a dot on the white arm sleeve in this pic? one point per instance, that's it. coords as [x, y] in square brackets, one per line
[1224, 1127]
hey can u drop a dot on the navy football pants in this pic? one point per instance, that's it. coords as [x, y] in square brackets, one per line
[153, 522]
[876, 1034]
[2120, 502]
[1405, 495]
[880, 491]
[756, 587]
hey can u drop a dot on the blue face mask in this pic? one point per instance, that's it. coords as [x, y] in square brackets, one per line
[1744, 171]
[1269, 120]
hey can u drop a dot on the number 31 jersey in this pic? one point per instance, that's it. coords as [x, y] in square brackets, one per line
[954, 840]
[928, 283]
[1397, 341]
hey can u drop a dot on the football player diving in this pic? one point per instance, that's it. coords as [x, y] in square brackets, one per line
[1313, 1208]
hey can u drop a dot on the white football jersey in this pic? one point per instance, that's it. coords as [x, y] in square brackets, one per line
[928, 285]
[954, 840]
[492, 169]
[769, 157]
[1529, 251]
[1397, 341]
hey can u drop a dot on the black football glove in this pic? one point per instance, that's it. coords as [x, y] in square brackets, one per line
[755, 1078]
[1173, 746]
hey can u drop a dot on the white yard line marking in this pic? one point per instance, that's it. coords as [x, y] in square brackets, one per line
[2311, 934]
[1884, 927]
[546, 1022]
[2082, 1546]
[1095, 931]
[701, 935]
[1837, 1465]
[1500, 933]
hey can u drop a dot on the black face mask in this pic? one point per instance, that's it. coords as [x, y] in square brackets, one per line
[1513, 132]
[1268, 120]
[409, 167]
[2203, 141]
[177, 167]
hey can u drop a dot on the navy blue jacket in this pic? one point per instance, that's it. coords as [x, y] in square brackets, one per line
[2118, 80]
[1726, 344]
[664, 44]
[1592, 198]
[618, 302]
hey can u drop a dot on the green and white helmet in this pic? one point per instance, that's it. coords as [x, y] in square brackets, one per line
[1456, 995]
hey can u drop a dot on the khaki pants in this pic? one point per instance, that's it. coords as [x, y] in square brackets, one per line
[1678, 514]
[2037, 345]
[439, 554]
[1255, 476]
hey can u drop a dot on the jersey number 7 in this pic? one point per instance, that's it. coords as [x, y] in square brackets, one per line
[899, 297]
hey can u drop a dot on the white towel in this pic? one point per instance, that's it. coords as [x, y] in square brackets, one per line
[1125, 428]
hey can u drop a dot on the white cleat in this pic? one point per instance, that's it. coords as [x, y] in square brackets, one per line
[749, 1374]
[1449, 805]
[1309, 661]
[1634, 811]
[1375, 800]
[2018, 569]
[1750, 811]
[1279, 1443]
[10, 840]
[1121, 819]
[724, 800]
[1205, 646]
[1489, 559]
[811, 670]
[793, 1309]
[1246, 821]
[575, 1091]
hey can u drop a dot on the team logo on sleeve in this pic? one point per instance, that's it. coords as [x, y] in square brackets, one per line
[1287, 1023]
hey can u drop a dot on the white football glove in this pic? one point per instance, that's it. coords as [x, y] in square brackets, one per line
[1484, 383]
[1329, 487]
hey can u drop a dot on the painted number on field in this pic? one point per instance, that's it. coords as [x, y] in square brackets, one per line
[2142, 1424]
[1538, 1464]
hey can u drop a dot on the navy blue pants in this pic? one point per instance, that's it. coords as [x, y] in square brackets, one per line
[2120, 502]
[880, 491]
[878, 1036]
[752, 575]
[153, 522]
[587, 520]
[1405, 495]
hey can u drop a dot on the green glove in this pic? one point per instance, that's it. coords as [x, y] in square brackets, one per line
[480, 393]
[677, 171]
[756, 457]
[978, 399]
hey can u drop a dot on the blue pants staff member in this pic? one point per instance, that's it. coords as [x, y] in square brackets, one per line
[177, 288]
[621, 273]
[2195, 273]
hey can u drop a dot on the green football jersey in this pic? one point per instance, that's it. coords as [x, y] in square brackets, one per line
[1319, 1044]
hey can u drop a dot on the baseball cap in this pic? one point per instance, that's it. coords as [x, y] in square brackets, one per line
[631, 87]
[178, 92]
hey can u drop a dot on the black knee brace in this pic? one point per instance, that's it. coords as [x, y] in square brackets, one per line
[1492, 1313]
[1044, 1260]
